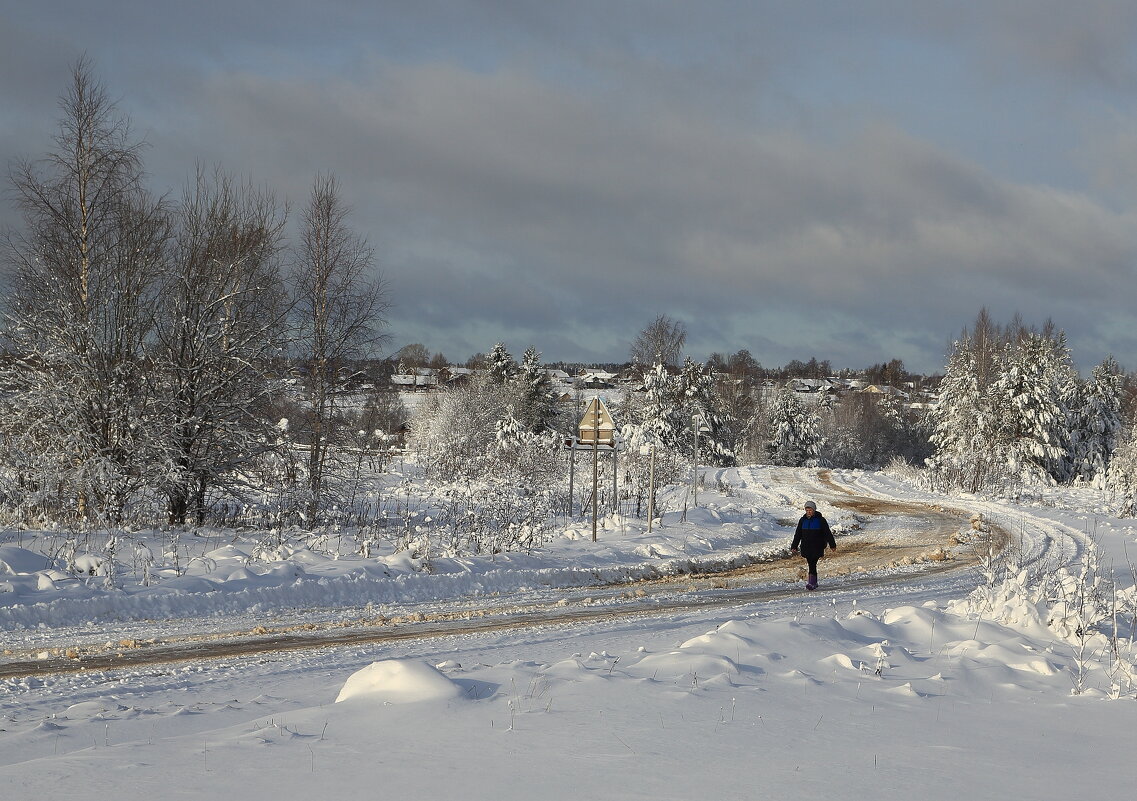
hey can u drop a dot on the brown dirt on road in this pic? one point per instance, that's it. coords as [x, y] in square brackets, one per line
[938, 545]
[947, 536]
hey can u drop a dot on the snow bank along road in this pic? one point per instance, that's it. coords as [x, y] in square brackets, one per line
[888, 534]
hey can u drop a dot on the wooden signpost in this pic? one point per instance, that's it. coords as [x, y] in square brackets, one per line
[596, 428]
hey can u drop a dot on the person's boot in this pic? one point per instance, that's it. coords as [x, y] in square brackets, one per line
[812, 583]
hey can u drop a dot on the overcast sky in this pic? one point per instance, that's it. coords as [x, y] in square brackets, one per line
[846, 180]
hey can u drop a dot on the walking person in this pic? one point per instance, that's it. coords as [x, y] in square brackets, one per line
[812, 535]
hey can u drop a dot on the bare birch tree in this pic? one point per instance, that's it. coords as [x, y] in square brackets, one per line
[339, 306]
[660, 342]
[82, 273]
[218, 326]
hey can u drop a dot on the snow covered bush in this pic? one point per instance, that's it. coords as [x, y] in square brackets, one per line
[497, 471]
[464, 431]
[643, 459]
[490, 517]
[867, 431]
[905, 471]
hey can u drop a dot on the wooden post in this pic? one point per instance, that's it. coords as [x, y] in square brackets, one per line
[615, 488]
[695, 490]
[651, 489]
[572, 470]
[595, 463]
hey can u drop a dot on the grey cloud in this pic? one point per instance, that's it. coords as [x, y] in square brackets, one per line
[1085, 42]
[557, 206]
[563, 177]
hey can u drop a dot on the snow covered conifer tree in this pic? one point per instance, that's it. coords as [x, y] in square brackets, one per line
[537, 404]
[655, 420]
[1121, 476]
[953, 420]
[1003, 408]
[1097, 423]
[1033, 422]
[502, 365]
[793, 436]
[660, 415]
[697, 384]
[1063, 376]
[510, 433]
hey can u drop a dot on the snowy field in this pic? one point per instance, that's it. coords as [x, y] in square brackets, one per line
[940, 685]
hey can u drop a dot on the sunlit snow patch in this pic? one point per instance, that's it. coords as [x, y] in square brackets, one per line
[684, 663]
[840, 660]
[396, 681]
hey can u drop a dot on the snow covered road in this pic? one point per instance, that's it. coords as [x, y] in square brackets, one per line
[885, 539]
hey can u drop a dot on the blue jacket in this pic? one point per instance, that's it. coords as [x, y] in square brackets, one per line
[812, 535]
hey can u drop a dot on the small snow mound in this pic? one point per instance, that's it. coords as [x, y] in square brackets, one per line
[904, 689]
[840, 660]
[227, 552]
[51, 579]
[799, 677]
[723, 642]
[395, 681]
[678, 664]
[91, 709]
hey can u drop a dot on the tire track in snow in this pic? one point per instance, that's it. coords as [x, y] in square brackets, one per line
[1035, 543]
